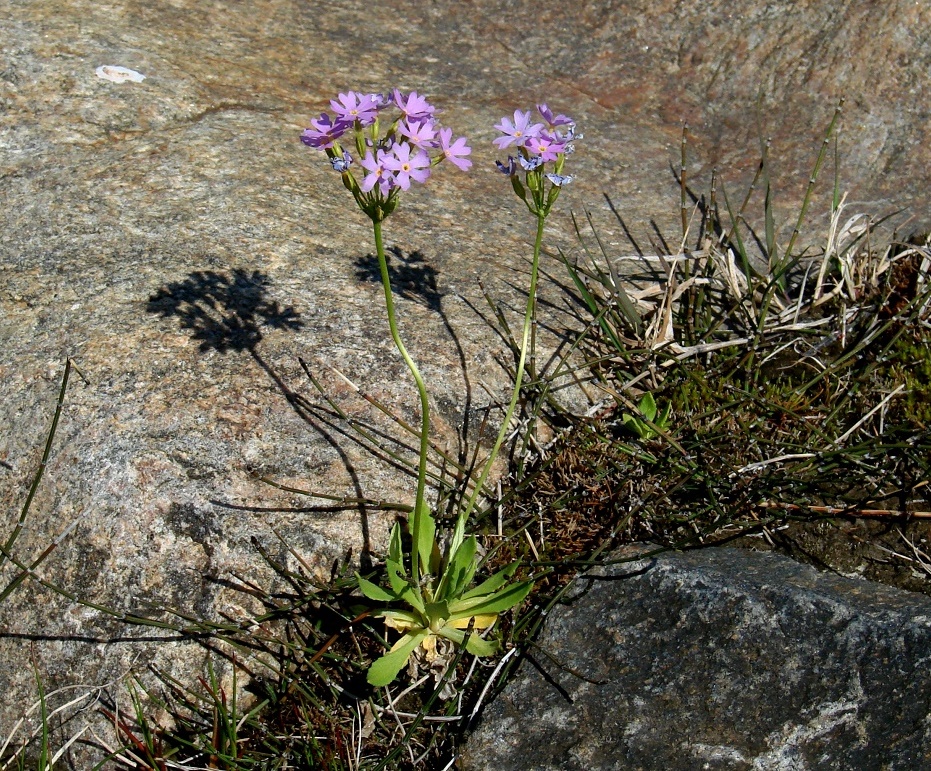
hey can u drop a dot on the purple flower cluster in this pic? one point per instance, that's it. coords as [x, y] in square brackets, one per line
[536, 143]
[413, 143]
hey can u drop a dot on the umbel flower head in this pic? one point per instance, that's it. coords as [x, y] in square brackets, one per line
[537, 145]
[390, 160]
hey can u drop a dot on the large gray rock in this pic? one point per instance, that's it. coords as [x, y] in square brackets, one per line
[719, 659]
[127, 208]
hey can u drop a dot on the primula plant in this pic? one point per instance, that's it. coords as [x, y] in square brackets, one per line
[380, 146]
[648, 409]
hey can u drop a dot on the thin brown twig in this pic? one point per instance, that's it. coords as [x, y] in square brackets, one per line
[847, 512]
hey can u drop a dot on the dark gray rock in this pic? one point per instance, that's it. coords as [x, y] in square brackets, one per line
[719, 659]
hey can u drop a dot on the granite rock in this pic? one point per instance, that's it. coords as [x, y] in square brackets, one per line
[173, 237]
[735, 74]
[718, 659]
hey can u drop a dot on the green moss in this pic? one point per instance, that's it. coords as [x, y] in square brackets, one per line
[909, 363]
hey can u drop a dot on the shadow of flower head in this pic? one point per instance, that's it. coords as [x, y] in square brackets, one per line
[225, 312]
[411, 276]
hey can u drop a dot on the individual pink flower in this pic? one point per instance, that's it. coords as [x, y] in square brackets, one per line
[516, 133]
[353, 106]
[323, 132]
[418, 133]
[378, 174]
[407, 167]
[554, 121]
[544, 147]
[413, 106]
[456, 152]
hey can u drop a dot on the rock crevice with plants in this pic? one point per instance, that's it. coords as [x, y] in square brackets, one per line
[247, 542]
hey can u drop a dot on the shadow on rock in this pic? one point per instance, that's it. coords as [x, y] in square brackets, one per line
[412, 277]
[224, 312]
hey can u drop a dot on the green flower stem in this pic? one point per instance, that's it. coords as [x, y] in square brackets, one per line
[420, 500]
[459, 533]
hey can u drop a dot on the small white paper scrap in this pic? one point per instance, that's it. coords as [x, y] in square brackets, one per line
[119, 74]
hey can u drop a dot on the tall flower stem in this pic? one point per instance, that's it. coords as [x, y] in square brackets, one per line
[420, 508]
[459, 533]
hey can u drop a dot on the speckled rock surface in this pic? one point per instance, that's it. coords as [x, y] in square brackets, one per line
[128, 207]
[719, 659]
[661, 62]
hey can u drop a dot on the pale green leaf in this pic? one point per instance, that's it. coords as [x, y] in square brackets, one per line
[384, 670]
[396, 576]
[374, 591]
[648, 406]
[437, 611]
[636, 425]
[461, 568]
[476, 645]
[503, 600]
[492, 584]
[395, 553]
[401, 619]
[423, 540]
[413, 598]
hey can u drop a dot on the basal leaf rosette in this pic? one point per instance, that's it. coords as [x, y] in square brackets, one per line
[442, 607]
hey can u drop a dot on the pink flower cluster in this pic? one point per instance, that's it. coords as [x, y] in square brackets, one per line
[412, 145]
[536, 143]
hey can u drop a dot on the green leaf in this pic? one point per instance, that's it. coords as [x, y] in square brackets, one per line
[461, 568]
[648, 406]
[663, 419]
[404, 616]
[384, 670]
[396, 576]
[479, 646]
[437, 611]
[636, 425]
[424, 539]
[394, 546]
[436, 557]
[413, 598]
[476, 645]
[373, 591]
[492, 584]
[503, 600]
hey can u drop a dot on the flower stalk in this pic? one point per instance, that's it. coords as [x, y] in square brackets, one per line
[420, 554]
[463, 517]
